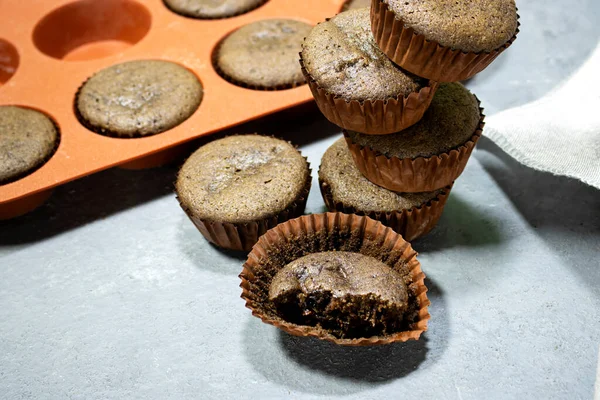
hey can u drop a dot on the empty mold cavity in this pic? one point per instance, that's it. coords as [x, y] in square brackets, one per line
[9, 61]
[91, 29]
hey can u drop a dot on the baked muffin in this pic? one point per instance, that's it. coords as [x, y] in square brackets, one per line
[430, 154]
[354, 84]
[234, 189]
[348, 294]
[354, 4]
[444, 40]
[339, 277]
[28, 139]
[263, 55]
[345, 189]
[138, 98]
[212, 9]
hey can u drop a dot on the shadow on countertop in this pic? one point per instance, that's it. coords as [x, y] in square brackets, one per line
[114, 190]
[332, 369]
[88, 199]
[461, 225]
[563, 211]
[544, 199]
[205, 255]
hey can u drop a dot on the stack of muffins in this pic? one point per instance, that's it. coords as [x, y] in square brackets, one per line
[388, 77]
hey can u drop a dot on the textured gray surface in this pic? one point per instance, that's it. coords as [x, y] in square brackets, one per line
[109, 292]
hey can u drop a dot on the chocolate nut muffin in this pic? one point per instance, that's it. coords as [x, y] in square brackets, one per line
[470, 26]
[354, 4]
[236, 188]
[354, 84]
[430, 154]
[444, 40]
[344, 188]
[449, 122]
[350, 299]
[138, 98]
[263, 54]
[343, 58]
[212, 9]
[28, 139]
[348, 294]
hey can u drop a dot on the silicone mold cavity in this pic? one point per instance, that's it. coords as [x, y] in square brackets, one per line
[90, 29]
[9, 61]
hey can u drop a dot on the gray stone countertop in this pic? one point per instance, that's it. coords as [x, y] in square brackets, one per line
[109, 292]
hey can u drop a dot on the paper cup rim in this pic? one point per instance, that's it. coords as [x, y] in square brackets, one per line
[277, 236]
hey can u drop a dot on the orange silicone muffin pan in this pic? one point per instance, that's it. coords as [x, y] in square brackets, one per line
[48, 48]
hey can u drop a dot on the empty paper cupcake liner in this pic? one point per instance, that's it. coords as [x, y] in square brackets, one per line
[421, 174]
[410, 223]
[333, 232]
[373, 117]
[242, 236]
[424, 57]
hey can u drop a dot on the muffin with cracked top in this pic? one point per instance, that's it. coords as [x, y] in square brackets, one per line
[354, 84]
[444, 40]
[138, 98]
[345, 189]
[428, 155]
[236, 188]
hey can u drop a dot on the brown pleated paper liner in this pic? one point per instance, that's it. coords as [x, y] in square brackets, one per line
[410, 223]
[242, 236]
[423, 57]
[372, 117]
[421, 174]
[330, 232]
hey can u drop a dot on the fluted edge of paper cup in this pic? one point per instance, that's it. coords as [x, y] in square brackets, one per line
[423, 57]
[372, 117]
[374, 238]
[421, 174]
[410, 223]
[242, 236]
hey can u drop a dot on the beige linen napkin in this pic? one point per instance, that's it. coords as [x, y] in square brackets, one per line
[559, 133]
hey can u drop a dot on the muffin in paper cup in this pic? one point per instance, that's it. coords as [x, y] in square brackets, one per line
[429, 155]
[426, 57]
[354, 84]
[310, 234]
[262, 55]
[345, 189]
[242, 236]
[410, 223]
[236, 188]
